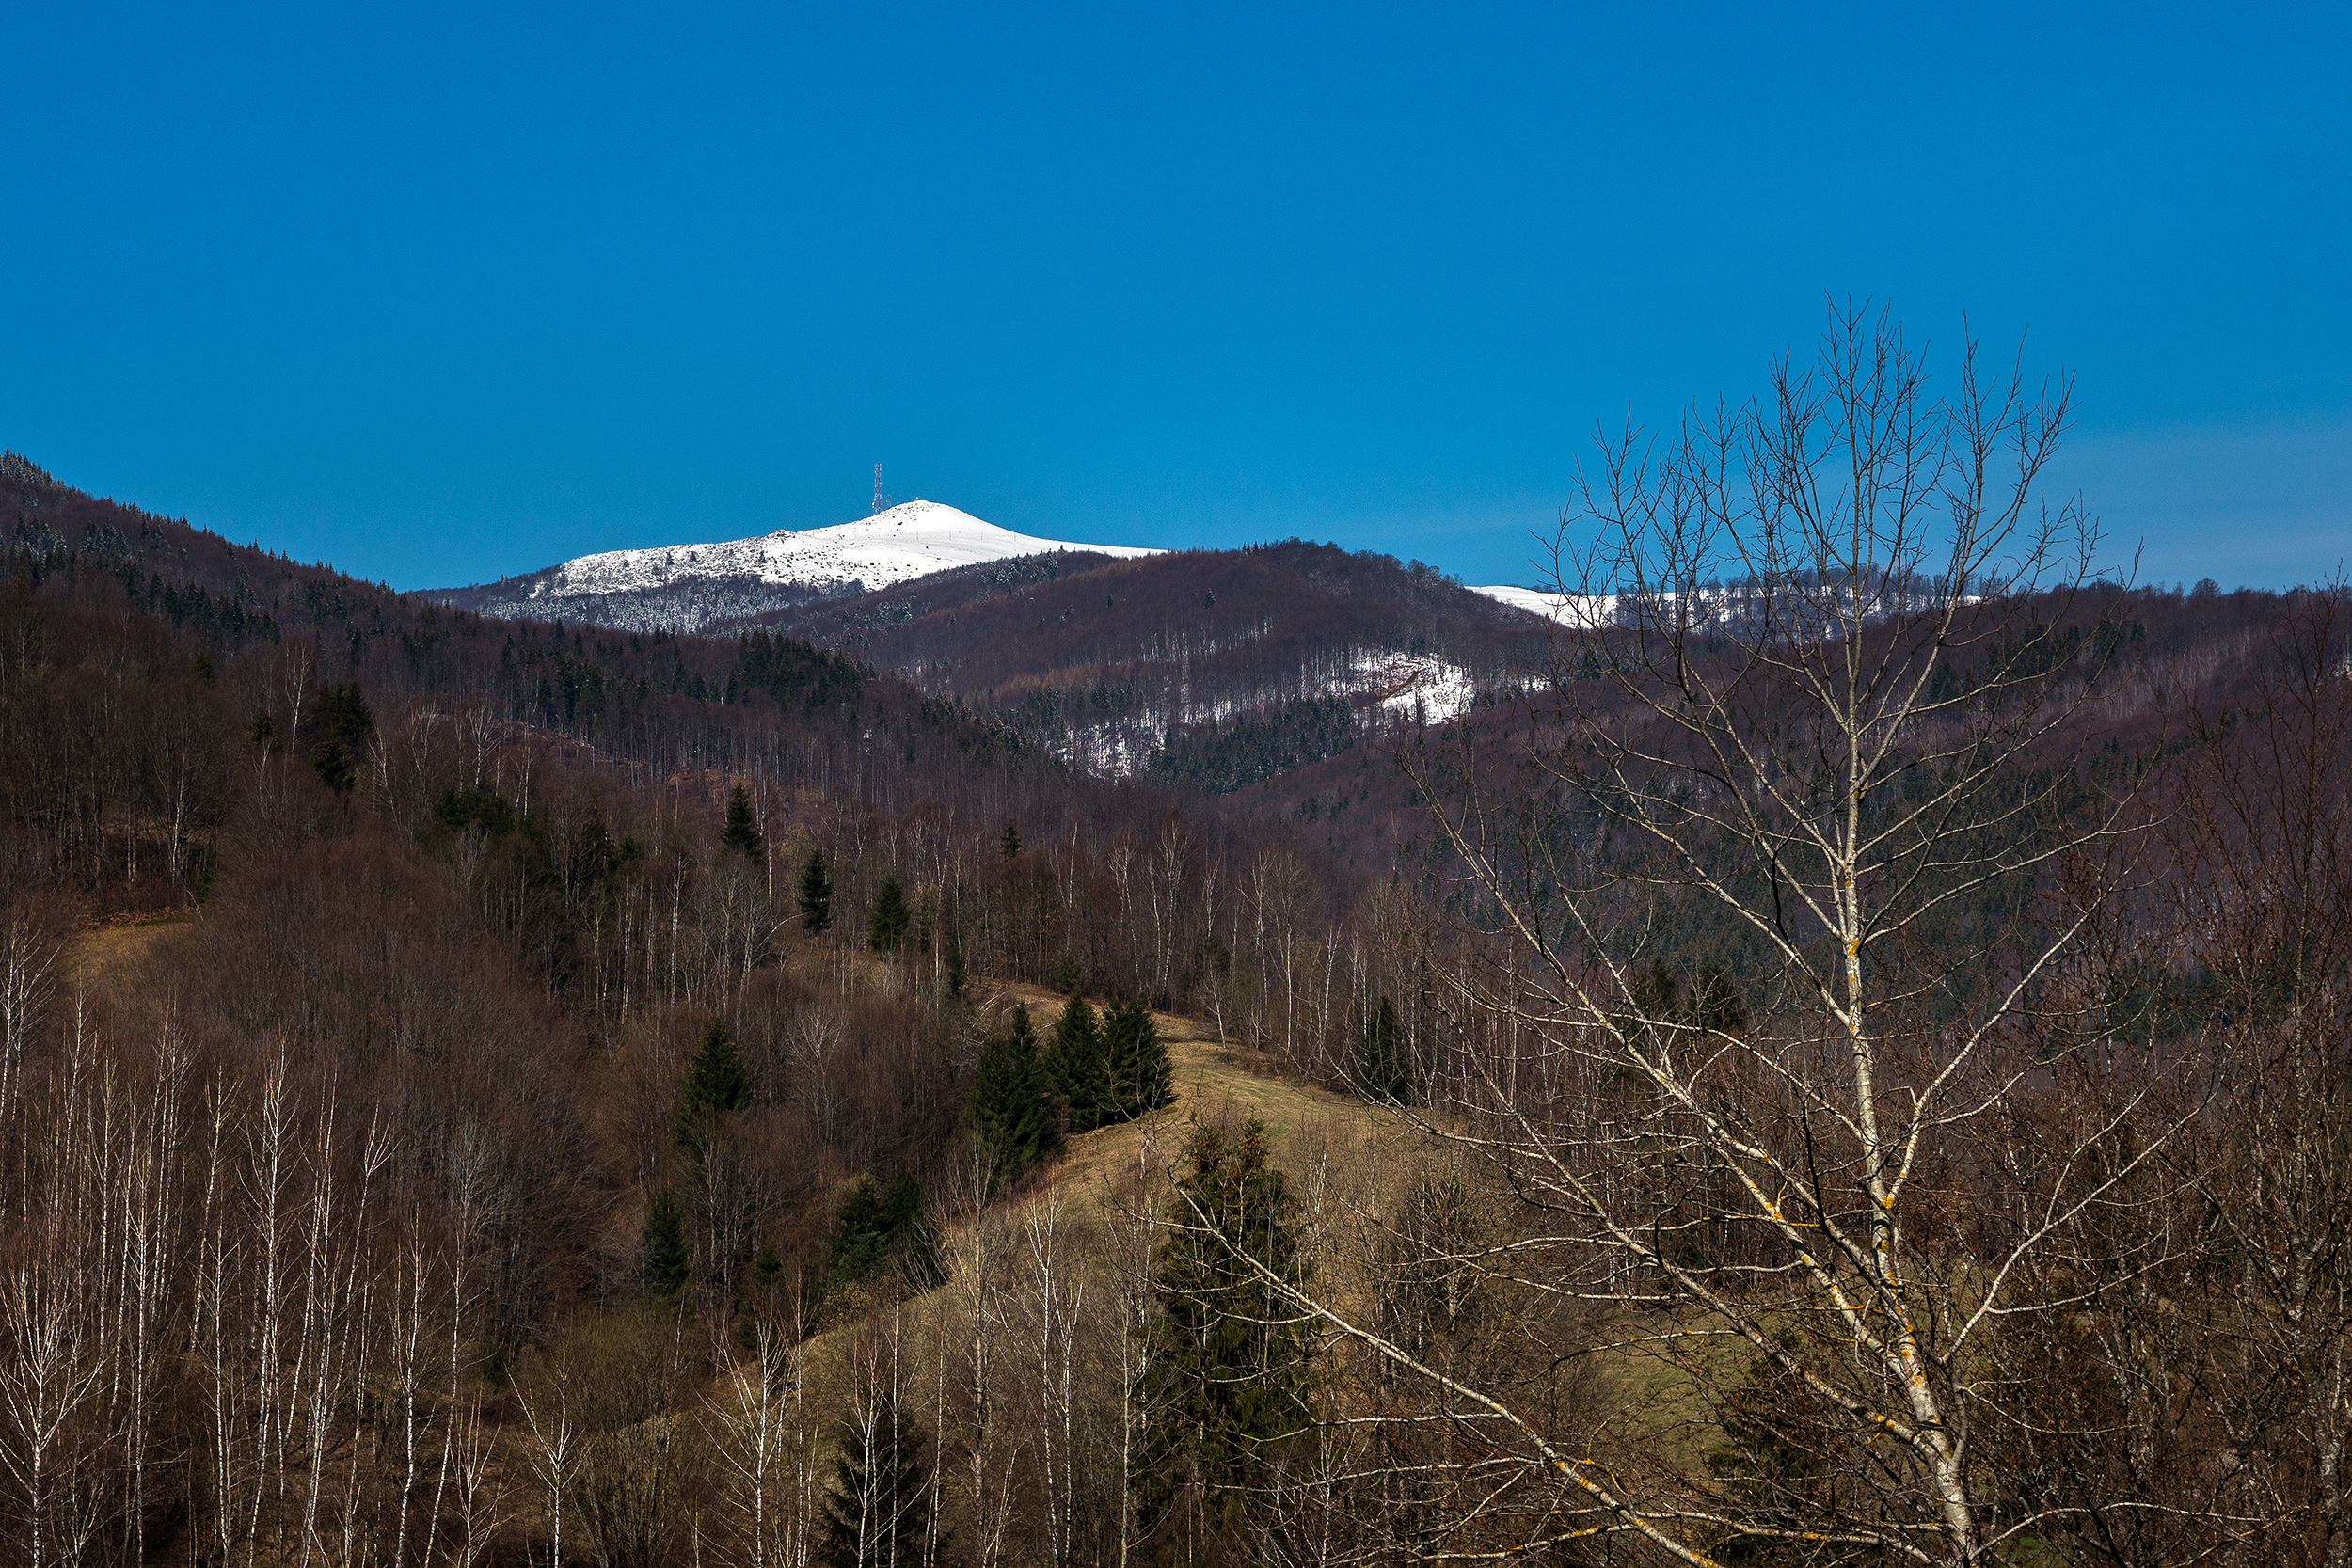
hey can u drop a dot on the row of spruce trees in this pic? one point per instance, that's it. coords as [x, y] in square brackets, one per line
[1091, 1070]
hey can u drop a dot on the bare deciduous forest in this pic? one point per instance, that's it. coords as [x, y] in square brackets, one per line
[1846, 1066]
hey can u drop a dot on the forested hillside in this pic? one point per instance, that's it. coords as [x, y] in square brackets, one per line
[1210, 669]
[483, 1091]
[393, 942]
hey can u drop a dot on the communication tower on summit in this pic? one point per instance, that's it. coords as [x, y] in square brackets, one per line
[877, 495]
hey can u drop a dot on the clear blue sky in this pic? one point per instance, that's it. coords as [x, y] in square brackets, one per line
[438, 294]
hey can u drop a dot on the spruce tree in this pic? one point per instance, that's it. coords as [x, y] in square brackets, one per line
[860, 1239]
[1135, 1061]
[1380, 1064]
[715, 1084]
[816, 894]
[742, 830]
[342, 726]
[1073, 1065]
[1010, 842]
[335, 766]
[1227, 1389]
[876, 1227]
[664, 1255]
[1010, 1113]
[762, 1300]
[343, 715]
[877, 1513]
[887, 931]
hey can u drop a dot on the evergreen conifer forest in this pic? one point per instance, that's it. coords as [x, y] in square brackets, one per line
[1846, 1063]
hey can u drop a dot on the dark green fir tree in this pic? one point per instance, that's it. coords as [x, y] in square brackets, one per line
[877, 1512]
[1012, 1113]
[715, 1086]
[1074, 1068]
[816, 894]
[742, 830]
[877, 1227]
[761, 1306]
[887, 931]
[342, 726]
[1009, 843]
[1227, 1391]
[664, 1255]
[1781, 1460]
[335, 768]
[1380, 1064]
[1135, 1061]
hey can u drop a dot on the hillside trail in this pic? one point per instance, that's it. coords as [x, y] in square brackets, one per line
[1337, 1151]
[1345, 1157]
[1211, 1083]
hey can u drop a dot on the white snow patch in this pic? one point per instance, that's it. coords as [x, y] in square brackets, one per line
[1796, 609]
[1430, 689]
[1578, 611]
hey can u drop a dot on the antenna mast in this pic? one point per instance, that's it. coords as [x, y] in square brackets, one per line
[877, 495]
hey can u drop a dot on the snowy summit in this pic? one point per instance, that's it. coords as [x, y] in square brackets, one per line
[687, 587]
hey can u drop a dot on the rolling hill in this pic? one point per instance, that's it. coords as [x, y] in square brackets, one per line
[1210, 668]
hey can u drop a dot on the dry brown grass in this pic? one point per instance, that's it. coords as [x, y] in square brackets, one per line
[112, 958]
[1212, 1082]
[1348, 1160]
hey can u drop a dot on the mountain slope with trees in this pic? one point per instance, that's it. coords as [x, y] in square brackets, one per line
[1212, 669]
[562, 1099]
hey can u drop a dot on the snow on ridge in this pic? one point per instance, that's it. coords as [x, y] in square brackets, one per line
[909, 540]
[1793, 608]
[1578, 611]
[1387, 688]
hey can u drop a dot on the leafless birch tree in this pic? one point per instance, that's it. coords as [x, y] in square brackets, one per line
[1822, 727]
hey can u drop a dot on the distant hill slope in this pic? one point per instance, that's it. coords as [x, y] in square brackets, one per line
[1212, 668]
[1579, 611]
[689, 588]
[676, 704]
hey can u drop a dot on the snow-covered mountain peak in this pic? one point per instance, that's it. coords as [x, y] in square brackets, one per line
[686, 587]
[911, 540]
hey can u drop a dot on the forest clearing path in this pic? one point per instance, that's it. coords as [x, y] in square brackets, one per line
[1212, 1081]
[1343, 1154]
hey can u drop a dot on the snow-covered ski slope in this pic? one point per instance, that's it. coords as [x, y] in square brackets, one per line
[686, 587]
